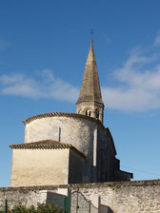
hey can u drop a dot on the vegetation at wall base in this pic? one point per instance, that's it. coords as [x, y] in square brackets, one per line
[41, 208]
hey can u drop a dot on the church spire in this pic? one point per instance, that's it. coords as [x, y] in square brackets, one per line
[90, 100]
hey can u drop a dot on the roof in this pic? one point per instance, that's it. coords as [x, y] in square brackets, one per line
[46, 144]
[129, 174]
[90, 89]
[60, 114]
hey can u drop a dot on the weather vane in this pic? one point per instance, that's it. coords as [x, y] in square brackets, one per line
[92, 33]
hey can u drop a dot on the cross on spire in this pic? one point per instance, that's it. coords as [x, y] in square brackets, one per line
[92, 33]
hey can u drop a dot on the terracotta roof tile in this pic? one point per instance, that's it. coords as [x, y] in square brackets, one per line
[46, 144]
[60, 114]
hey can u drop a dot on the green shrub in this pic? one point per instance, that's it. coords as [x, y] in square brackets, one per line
[42, 208]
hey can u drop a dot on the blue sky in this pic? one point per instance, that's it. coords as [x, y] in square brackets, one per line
[43, 49]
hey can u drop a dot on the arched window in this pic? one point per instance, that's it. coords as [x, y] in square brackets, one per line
[97, 114]
[88, 113]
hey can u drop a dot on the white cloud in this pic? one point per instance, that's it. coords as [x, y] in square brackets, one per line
[138, 86]
[46, 87]
[130, 99]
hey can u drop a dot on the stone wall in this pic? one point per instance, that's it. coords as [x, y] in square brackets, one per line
[30, 196]
[124, 197]
[105, 157]
[86, 134]
[79, 132]
[23, 196]
[116, 197]
[76, 168]
[76, 131]
[34, 167]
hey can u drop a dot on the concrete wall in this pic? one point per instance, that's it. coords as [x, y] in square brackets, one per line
[39, 167]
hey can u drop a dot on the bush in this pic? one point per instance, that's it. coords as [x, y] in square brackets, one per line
[42, 208]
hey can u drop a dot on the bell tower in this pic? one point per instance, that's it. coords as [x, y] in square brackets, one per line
[90, 100]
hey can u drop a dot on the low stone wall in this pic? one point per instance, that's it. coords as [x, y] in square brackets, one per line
[114, 197]
[124, 197]
[26, 196]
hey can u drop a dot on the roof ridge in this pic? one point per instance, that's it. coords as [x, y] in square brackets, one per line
[44, 145]
[59, 114]
[44, 142]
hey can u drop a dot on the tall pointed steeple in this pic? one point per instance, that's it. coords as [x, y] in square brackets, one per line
[90, 100]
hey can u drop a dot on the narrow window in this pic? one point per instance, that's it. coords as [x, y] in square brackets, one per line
[97, 114]
[59, 134]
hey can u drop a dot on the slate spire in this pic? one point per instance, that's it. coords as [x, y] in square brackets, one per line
[90, 100]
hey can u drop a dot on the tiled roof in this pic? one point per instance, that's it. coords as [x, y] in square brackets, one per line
[46, 144]
[60, 114]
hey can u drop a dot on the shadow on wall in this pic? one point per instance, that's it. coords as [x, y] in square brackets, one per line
[105, 209]
[54, 198]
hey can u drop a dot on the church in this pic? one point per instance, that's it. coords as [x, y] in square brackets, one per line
[65, 148]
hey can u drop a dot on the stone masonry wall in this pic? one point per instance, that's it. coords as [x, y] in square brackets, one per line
[76, 131]
[116, 197]
[125, 197]
[34, 167]
[28, 196]
[76, 168]
[88, 136]
[25, 197]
